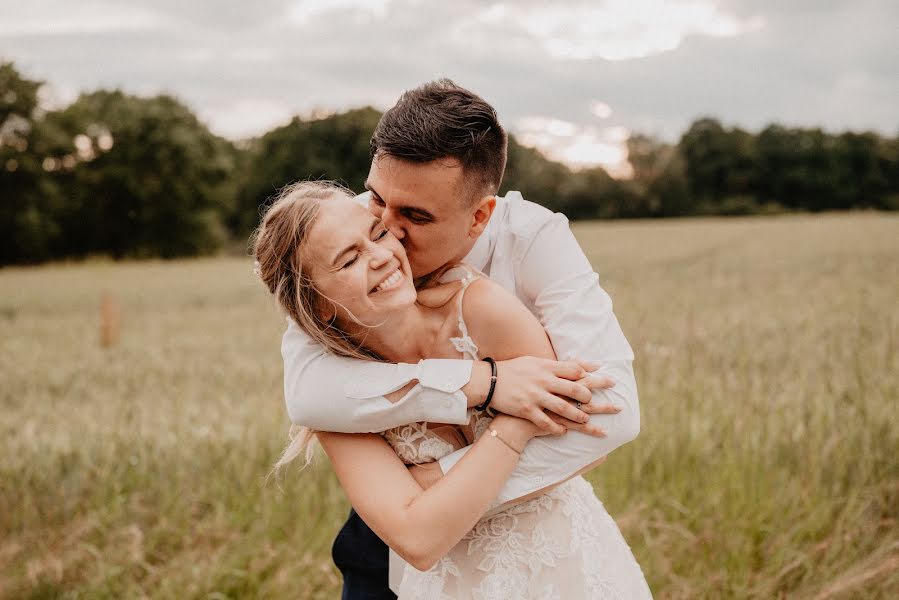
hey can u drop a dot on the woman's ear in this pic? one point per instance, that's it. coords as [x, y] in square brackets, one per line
[327, 311]
[483, 210]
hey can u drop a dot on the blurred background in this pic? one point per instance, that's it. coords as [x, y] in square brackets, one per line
[140, 378]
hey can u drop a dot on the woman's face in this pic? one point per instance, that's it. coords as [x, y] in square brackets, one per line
[358, 264]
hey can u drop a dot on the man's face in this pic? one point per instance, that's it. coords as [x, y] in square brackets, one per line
[423, 205]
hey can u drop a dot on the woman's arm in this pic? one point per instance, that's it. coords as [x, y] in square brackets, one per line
[423, 525]
[504, 328]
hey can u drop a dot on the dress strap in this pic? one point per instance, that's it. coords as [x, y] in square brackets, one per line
[464, 343]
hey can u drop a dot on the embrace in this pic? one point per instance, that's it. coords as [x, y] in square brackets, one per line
[455, 356]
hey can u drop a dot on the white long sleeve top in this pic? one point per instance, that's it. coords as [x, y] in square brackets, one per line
[532, 253]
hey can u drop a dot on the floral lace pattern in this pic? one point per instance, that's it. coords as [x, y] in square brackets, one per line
[415, 445]
[561, 545]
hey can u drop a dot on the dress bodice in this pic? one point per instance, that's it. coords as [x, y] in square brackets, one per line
[559, 544]
[419, 443]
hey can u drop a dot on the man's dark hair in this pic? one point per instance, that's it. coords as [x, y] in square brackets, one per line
[443, 120]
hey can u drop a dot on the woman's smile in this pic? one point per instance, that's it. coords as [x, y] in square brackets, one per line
[394, 279]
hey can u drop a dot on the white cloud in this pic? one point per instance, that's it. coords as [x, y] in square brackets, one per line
[303, 10]
[43, 17]
[246, 117]
[577, 146]
[600, 109]
[618, 29]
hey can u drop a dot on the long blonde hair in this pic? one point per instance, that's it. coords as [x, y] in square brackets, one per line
[278, 245]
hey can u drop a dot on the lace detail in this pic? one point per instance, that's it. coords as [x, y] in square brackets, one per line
[464, 343]
[414, 444]
[560, 545]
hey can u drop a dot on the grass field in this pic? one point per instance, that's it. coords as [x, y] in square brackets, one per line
[767, 467]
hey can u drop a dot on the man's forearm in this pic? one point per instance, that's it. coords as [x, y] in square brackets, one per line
[550, 460]
[331, 393]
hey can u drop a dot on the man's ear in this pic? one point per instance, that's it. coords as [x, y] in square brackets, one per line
[483, 210]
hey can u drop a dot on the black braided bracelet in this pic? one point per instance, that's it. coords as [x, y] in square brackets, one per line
[486, 403]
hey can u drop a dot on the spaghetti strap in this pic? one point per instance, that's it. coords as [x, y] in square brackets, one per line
[464, 343]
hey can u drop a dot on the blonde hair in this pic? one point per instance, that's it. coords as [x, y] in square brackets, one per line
[278, 246]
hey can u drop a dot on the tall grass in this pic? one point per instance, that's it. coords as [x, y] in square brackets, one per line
[767, 465]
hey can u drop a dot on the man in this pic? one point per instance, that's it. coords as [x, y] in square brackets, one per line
[437, 162]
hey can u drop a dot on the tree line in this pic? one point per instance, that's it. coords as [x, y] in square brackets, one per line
[129, 176]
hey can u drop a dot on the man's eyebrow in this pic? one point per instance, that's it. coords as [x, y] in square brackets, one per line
[351, 247]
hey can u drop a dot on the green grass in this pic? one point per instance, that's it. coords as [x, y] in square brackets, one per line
[767, 465]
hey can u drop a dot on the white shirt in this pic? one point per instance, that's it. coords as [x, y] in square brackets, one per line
[532, 253]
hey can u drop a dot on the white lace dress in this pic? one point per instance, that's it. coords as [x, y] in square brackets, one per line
[561, 545]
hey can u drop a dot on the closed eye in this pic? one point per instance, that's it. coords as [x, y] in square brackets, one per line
[416, 217]
[352, 261]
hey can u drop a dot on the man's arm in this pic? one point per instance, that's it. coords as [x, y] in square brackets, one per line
[564, 292]
[334, 393]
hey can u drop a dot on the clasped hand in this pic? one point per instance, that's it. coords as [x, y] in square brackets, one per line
[553, 395]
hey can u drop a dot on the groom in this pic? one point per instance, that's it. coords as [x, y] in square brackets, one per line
[438, 158]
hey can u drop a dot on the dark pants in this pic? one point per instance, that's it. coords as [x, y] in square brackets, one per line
[362, 559]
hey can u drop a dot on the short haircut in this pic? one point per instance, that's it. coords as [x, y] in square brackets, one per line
[440, 119]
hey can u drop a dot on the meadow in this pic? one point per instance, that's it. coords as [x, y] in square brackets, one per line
[766, 467]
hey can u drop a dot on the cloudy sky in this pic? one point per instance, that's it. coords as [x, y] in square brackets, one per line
[571, 77]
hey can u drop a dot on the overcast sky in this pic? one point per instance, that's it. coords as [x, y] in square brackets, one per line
[569, 76]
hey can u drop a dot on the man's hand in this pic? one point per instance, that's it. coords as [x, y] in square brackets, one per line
[529, 388]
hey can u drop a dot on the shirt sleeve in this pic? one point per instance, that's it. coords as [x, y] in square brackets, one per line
[333, 393]
[555, 275]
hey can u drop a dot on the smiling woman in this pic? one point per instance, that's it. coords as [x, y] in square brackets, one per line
[359, 294]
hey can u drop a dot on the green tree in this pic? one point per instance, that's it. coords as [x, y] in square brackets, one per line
[335, 147]
[29, 198]
[659, 175]
[149, 179]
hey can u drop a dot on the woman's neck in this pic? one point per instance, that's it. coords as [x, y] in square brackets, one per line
[405, 337]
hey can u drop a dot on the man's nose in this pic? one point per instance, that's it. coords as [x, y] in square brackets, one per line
[392, 224]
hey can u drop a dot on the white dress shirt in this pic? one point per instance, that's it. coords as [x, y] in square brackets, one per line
[532, 253]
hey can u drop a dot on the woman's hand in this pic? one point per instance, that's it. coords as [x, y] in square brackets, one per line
[523, 430]
[540, 390]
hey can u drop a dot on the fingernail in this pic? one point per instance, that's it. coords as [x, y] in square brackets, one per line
[617, 409]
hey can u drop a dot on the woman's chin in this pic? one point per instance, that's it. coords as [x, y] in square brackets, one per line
[394, 302]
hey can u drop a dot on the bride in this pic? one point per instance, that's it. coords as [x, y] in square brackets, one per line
[346, 281]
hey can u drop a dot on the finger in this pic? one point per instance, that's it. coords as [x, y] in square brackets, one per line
[544, 422]
[600, 409]
[568, 369]
[570, 389]
[588, 428]
[597, 383]
[589, 365]
[564, 408]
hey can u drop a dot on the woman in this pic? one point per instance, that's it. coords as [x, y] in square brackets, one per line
[346, 280]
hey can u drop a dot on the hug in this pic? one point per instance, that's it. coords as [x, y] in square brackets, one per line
[455, 356]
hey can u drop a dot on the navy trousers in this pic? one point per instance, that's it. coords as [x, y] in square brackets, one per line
[362, 559]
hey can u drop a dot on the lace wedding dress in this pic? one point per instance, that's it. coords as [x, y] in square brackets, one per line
[561, 545]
